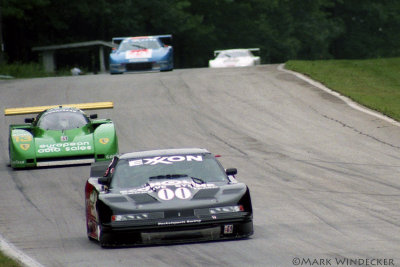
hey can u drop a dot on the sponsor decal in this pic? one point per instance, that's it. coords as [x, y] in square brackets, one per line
[20, 133]
[18, 162]
[22, 138]
[141, 53]
[25, 146]
[91, 204]
[168, 190]
[179, 222]
[232, 179]
[66, 147]
[165, 160]
[143, 190]
[104, 141]
[228, 229]
[180, 184]
[64, 138]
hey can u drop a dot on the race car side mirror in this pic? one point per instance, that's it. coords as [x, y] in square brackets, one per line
[29, 120]
[93, 116]
[231, 171]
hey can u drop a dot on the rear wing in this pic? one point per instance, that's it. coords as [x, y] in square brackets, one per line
[118, 40]
[33, 110]
[216, 52]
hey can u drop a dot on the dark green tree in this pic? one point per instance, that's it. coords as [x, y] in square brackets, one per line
[371, 29]
[282, 29]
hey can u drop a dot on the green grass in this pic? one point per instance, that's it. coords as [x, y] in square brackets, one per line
[8, 262]
[29, 70]
[374, 83]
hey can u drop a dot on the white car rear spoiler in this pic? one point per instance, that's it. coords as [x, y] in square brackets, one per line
[216, 52]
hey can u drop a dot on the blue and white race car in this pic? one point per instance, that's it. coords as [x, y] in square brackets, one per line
[142, 53]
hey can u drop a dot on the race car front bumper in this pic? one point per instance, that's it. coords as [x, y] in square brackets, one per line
[140, 66]
[179, 231]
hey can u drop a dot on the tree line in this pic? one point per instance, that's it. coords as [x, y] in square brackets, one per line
[282, 29]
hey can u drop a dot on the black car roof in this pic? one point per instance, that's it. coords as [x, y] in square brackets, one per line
[164, 152]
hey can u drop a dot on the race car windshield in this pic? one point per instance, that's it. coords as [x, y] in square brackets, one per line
[233, 54]
[137, 44]
[62, 120]
[138, 172]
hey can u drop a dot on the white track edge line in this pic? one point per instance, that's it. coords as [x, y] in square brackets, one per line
[11, 251]
[347, 100]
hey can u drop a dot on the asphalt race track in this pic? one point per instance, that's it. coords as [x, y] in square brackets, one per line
[324, 177]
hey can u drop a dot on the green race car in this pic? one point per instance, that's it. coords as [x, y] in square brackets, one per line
[61, 135]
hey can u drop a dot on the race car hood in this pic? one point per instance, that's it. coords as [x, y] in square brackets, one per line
[140, 55]
[173, 194]
[52, 143]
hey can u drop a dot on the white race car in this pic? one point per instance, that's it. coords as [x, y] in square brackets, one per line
[235, 58]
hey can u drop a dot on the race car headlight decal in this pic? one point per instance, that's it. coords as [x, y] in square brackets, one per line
[227, 209]
[129, 217]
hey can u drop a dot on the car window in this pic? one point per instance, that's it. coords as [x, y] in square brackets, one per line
[62, 120]
[232, 54]
[137, 172]
[137, 44]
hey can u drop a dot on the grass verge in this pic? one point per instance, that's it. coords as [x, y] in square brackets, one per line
[374, 83]
[29, 70]
[8, 262]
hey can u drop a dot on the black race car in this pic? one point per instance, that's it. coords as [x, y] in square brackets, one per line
[164, 196]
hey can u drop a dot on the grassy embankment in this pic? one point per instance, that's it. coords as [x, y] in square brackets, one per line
[374, 83]
[31, 70]
[7, 262]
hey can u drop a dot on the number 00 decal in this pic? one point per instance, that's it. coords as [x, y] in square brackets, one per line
[168, 194]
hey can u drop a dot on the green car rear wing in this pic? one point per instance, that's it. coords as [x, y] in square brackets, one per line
[33, 110]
